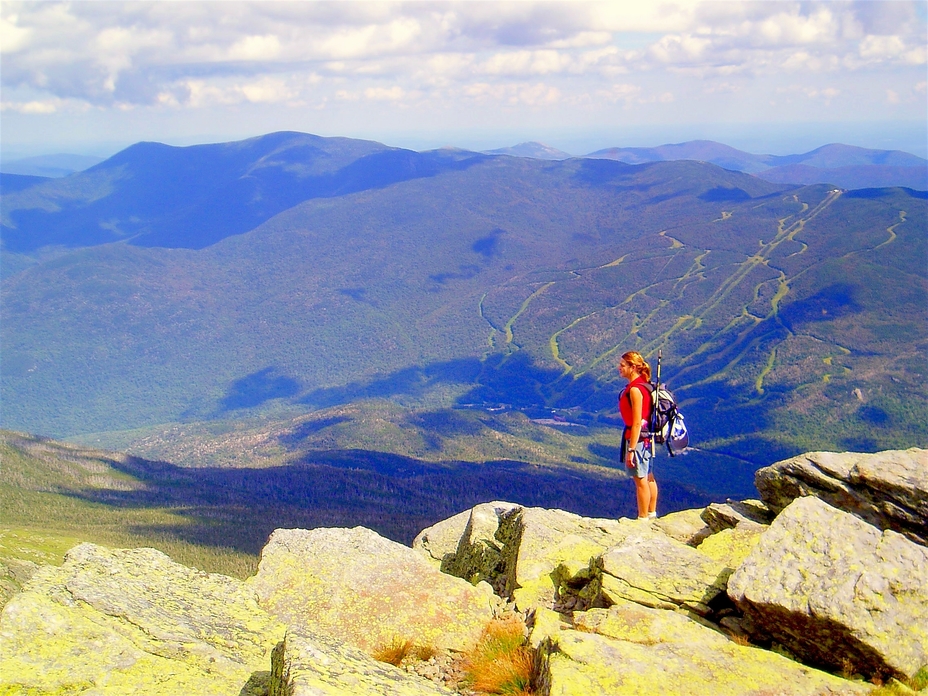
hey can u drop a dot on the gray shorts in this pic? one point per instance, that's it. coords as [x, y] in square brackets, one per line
[641, 455]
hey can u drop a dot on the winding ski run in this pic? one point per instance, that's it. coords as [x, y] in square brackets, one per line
[738, 345]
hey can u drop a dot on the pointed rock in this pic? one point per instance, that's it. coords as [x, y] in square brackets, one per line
[747, 513]
[466, 545]
[837, 591]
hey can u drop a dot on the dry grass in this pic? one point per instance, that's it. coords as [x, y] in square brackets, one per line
[920, 680]
[739, 639]
[917, 682]
[394, 652]
[847, 669]
[501, 663]
[424, 652]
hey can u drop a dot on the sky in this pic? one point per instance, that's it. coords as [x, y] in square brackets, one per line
[780, 77]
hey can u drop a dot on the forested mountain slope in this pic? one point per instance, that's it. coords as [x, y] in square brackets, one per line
[789, 318]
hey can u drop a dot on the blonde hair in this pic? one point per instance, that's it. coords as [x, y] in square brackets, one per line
[638, 364]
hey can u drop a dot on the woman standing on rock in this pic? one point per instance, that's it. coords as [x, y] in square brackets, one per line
[634, 403]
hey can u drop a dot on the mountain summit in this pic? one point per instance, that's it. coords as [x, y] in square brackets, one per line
[533, 150]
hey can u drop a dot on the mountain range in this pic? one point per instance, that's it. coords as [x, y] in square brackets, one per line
[842, 165]
[289, 274]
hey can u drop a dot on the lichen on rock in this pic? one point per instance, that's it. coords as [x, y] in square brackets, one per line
[133, 621]
[837, 591]
[354, 585]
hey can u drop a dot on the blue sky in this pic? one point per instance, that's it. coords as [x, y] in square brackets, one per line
[93, 76]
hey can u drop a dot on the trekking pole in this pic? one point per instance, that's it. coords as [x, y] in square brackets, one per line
[654, 395]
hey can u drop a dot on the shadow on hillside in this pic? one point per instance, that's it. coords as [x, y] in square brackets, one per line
[258, 388]
[515, 381]
[410, 381]
[393, 495]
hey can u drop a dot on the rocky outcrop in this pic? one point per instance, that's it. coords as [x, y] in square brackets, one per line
[887, 489]
[680, 605]
[837, 591]
[14, 573]
[356, 586]
[132, 622]
[313, 665]
[731, 546]
[631, 649]
[518, 550]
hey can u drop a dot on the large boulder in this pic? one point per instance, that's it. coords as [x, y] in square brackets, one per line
[837, 591]
[313, 665]
[368, 591]
[631, 649]
[887, 489]
[133, 622]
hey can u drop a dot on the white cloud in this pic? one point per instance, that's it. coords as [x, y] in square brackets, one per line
[259, 48]
[882, 47]
[267, 90]
[43, 107]
[13, 38]
[394, 94]
[620, 92]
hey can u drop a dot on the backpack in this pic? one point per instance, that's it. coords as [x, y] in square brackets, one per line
[666, 425]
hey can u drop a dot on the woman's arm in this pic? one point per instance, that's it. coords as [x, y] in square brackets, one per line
[634, 396]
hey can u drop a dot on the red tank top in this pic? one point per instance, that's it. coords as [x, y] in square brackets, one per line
[625, 403]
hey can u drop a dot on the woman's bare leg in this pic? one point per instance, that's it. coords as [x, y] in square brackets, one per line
[652, 490]
[643, 494]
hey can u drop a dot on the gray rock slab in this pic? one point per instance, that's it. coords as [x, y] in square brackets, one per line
[687, 526]
[887, 489]
[650, 568]
[517, 550]
[837, 591]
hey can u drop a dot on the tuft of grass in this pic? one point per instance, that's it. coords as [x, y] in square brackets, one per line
[739, 639]
[394, 652]
[919, 680]
[847, 669]
[501, 662]
[424, 652]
